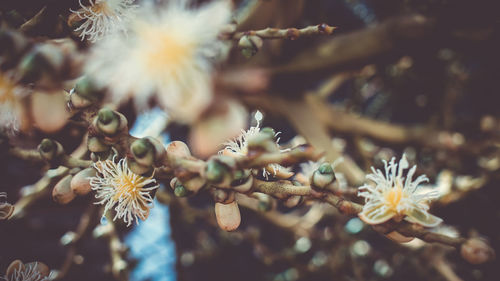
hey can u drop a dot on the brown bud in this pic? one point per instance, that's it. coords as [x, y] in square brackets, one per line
[228, 216]
[477, 251]
[62, 192]
[177, 149]
[80, 184]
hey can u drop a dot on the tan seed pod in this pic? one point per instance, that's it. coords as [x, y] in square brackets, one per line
[62, 192]
[228, 216]
[177, 149]
[80, 184]
[477, 251]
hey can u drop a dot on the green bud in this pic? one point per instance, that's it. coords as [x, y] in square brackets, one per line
[250, 45]
[214, 171]
[180, 191]
[325, 168]
[269, 131]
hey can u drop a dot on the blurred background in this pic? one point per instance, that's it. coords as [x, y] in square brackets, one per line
[441, 70]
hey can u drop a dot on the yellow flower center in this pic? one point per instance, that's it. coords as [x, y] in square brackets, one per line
[129, 189]
[164, 49]
[393, 197]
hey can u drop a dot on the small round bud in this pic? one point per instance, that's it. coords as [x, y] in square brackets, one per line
[148, 151]
[110, 122]
[50, 150]
[269, 131]
[180, 191]
[477, 251]
[243, 185]
[139, 169]
[178, 149]
[293, 201]
[228, 216]
[218, 170]
[95, 144]
[62, 192]
[323, 176]
[250, 45]
[41, 65]
[80, 184]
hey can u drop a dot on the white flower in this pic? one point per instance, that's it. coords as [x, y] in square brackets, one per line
[103, 17]
[11, 107]
[238, 147]
[394, 197]
[168, 52]
[117, 185]
[27, 272]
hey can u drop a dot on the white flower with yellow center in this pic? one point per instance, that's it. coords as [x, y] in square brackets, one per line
[393, 197]
[11, 108]
[117, 185]
[103, 17]
[168, 52]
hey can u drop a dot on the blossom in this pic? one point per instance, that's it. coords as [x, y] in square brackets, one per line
[11, 107]
[102, 17]
[168, 53]
[394, 197]
[117, 185]
[239, 147]
[33, 271]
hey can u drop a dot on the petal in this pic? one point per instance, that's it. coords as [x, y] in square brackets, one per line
[422, 217]
[373, 215]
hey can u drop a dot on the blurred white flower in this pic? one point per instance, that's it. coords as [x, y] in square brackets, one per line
[168, 52]
[27, 272]
[11, 108]
[117, 185]
[393, 198]
[103, 17]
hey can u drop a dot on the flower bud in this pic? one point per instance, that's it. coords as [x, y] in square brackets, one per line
[242, 181]
[80, 184]
[50, 150]
[177, 149]
[110, 122]
[139, 169]
[250, 45]
[62, 192]
[42, 65]
[477, 251]
[181, 191]
[84, 94]
[223, 196]
[148, 151]
[323, 176]
[262, 142]
[228, 216]
[95, 144]
[218, 170]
